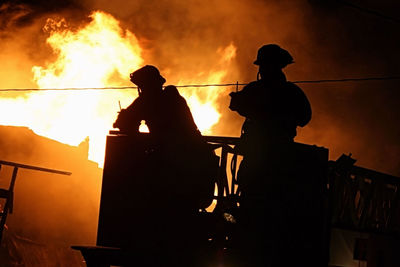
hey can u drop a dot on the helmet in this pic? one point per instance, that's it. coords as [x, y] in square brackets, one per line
[273, 54]
[145, 75]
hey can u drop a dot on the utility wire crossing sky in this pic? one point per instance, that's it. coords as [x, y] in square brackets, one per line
[197, 85]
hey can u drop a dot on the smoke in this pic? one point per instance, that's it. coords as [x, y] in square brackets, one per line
[15, 64]
[186, 40]
[23, 42]
[182, 38]
[326, 39]
[359, 118]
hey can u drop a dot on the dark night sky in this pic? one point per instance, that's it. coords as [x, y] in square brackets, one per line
[328, 40]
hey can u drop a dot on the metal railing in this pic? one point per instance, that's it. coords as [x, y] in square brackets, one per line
[8, 194]
[364, 200]
[360, 199]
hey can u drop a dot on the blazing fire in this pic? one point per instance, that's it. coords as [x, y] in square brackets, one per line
[98, 54]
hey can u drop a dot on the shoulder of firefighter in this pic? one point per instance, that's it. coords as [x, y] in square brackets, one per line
[172, 95]
[301, 105]
[171, 90]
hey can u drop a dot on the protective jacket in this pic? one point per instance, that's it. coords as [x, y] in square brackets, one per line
[273, 110]
[166, 114]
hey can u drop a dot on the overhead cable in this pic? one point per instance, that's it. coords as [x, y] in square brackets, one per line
[369, 11]
[198, 85]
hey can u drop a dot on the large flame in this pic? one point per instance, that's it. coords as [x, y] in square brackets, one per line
[99, 54]
[203, 105]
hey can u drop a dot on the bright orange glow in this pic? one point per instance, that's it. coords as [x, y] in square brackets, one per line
[143, 127]
[204, 105]
[98, 54]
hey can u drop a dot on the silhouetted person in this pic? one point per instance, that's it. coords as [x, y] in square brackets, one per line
[273, 108]
[180, 162]
[165, 111]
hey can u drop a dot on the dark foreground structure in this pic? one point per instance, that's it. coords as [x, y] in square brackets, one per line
[320, 195]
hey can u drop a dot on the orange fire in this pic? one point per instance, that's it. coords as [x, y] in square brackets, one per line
[100, 54]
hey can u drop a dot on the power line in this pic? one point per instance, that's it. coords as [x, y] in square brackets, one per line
[351, 80]
[369, 11]
[197, 85]
[67, 89]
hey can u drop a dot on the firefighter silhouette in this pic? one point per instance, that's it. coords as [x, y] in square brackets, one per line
[164, 110]
[273, 108]
[171, 123]
[181, 162]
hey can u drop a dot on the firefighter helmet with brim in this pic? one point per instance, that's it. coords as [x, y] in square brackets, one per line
[273, 54]
[145, 75]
